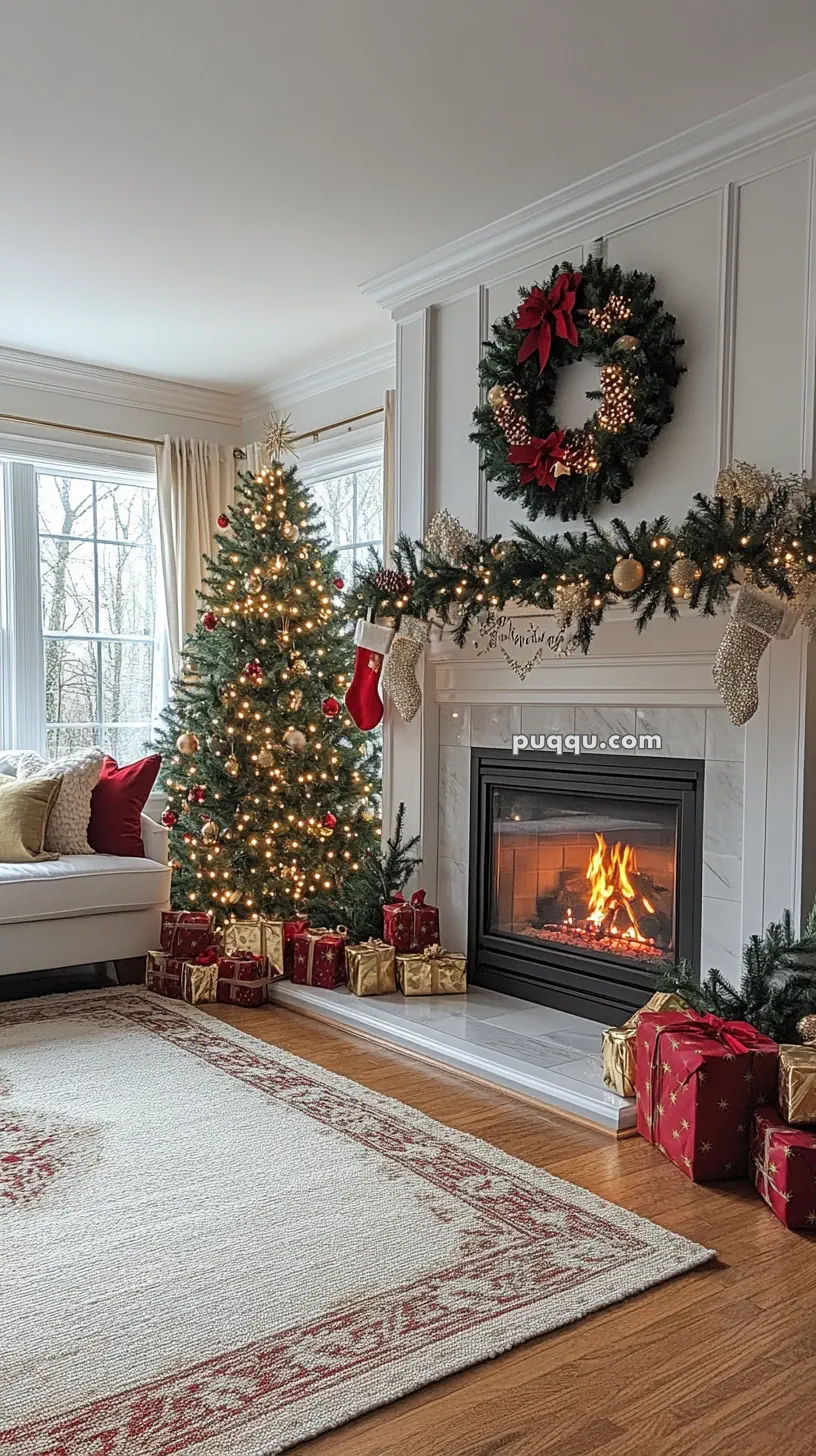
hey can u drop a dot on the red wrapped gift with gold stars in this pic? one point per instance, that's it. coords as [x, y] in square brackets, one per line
[243, 979]
[783, 1166]
[186, 933]
[410, 927]
[697, 1083]
[320, 957]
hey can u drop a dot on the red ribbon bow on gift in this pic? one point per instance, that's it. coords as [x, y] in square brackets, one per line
[418, 898]
[207, 957]
[397, 898]
[542, 312]
[538, 459]
[738, 1036]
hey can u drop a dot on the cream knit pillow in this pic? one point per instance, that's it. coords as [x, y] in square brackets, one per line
[67, 831]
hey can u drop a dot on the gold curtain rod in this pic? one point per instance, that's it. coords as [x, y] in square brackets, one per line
[239, 453]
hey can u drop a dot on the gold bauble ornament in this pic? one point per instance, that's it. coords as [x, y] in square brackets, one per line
[253, 583]
[295, 740]
[187, 743]
[497, 396]
[682, 574]
[233, 896]
[627, 341]
[210, 832]
[265, 757]
[807, 1030]
[259, 520]
[290, 532]
[628, 574]
[232, 766]
[300, 666]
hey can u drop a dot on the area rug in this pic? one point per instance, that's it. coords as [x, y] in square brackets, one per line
[211, 1245]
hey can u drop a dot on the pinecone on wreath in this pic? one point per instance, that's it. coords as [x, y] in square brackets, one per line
[391, 583]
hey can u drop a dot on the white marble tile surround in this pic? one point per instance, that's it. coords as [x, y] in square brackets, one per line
[687, 732]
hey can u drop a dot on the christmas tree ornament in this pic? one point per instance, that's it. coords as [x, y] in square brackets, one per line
[807, 1030]
[391, 583]
[259, 520]
[254, 583]
[253, 670]
[363, 701]
[209, 621]
[627, 342]
[399, 674]
[210, 831]
[330, 707]
[187, 743]
[497, 396]
[338, 583]
[295, 740]
[329, 820]
[447, 538]
[223, 521]
[232, 896]
[628, 574]
[682, 575]
[745, 483]
[197, 794]
[169, 818]
[291, 700]
[300, 666]
[756, 617]
[279, 438]
[265, 757]
[290, 532]
[232, 766]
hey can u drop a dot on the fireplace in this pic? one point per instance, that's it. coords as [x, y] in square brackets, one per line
[585, 874]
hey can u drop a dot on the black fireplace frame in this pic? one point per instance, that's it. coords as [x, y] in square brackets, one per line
[578, 980]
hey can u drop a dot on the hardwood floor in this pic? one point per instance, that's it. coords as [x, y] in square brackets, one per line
[722, 1360]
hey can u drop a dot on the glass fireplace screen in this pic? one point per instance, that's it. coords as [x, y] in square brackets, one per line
[587, 873]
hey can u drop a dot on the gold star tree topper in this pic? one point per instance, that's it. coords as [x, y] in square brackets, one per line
[279, 439]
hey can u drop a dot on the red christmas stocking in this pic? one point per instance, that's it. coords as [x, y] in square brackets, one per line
[363, 699]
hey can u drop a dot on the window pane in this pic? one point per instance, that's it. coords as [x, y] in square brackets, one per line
[125, 512]
[67, 740]
[67, 585]
[70, 681]
[126, 591]
[126, 744]
[370, 505]
[335, 499]
[345, 564]
[127, 682]
[65, 505]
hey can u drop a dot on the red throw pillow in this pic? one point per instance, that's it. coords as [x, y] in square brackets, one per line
[117, 803]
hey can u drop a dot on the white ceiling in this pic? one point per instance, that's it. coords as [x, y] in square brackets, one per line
[196, 188]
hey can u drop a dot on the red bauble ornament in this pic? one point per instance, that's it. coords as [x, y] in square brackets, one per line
[223, 521]
[328, 821]
[330, 707]
[169, 818]
[209, 621]
[197, 794]
[339, 583]
[253, 670]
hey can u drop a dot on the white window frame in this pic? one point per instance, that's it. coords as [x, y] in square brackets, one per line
[22, 659]
[327, 459]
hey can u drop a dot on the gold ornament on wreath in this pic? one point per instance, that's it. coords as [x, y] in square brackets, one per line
[600, 314]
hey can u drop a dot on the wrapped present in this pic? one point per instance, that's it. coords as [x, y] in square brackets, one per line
[243, 979]
[432, 972]
[271, 938]
[199, 978]
[371, 968]
[784, 1168]
[319, 957]
[697, 1082]
[163, 974]
[797, 1083]
[619, 1044]
[185, 933]
[398, 923]
[410, 927]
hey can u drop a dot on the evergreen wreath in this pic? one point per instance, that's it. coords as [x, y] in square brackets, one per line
[598, 313]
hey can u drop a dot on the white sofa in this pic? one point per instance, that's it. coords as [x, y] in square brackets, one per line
[82, 909]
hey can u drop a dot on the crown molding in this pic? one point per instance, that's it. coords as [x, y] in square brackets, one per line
[761, 122]
[101, 385]
[331, 373]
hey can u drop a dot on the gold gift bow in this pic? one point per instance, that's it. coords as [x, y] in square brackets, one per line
[797, 1083]
[313, 935]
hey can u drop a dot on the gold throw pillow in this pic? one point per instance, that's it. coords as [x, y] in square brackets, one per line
[25, 805]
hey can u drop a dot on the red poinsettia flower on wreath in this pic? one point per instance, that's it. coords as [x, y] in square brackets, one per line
[538, 458]
[542, 312]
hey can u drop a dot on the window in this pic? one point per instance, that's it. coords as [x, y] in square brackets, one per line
[81, 558]
[352, 506]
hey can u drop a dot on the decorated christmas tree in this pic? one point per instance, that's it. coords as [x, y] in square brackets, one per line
[271, 788]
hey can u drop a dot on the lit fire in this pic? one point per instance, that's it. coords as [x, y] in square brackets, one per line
[613, 899]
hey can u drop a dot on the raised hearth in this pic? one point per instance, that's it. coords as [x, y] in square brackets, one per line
[585, 875]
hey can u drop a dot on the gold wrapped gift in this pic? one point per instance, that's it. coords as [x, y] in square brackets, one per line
[198, 983]
[260, 937]
[797, 1084]
[371, 968]
[619, 1044]
[432, 972]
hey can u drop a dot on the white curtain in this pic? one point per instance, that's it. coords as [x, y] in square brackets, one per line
[196, 483]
